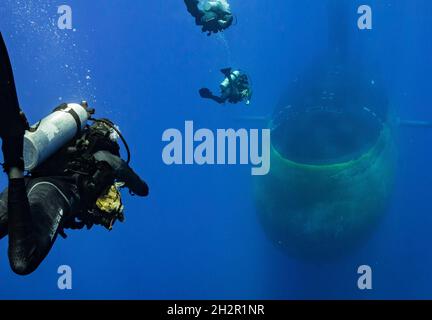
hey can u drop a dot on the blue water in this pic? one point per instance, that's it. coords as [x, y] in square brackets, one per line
[197, 235]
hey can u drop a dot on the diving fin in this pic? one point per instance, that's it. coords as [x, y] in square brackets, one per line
[8, 93]
[205, 93]
[11, 120]
[226, 71]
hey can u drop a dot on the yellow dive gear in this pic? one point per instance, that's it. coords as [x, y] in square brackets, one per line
[111, 203]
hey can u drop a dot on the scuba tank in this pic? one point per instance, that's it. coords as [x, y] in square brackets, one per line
[238, 83]
[232, 77]
[53, 132]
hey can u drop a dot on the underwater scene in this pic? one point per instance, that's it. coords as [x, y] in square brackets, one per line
[216, 149]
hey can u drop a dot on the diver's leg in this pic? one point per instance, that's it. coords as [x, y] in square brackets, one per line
[207, 94]
[30, 244]
[192, 7]
[22, 241]
[218, 99]
[123, 172]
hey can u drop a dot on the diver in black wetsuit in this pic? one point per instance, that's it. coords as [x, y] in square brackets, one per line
[213, 15]
[234, 88]
[78, 186]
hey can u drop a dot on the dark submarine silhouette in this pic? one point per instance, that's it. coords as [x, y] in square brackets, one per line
[332, 156]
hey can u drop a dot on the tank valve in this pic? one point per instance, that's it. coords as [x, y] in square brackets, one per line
[90, 111]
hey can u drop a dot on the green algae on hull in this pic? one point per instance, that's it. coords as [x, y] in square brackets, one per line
[318, 211]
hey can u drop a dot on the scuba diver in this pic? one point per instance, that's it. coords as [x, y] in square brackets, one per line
[213, 15]
[234, 88]
[76, 186]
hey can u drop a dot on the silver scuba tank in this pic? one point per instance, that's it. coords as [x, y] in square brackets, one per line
[53, 132]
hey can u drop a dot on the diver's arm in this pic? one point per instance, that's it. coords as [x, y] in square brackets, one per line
[207, 94]
[123, 173]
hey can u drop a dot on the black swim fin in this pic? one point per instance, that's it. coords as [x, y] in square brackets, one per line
[226, 71]
[205, 93]
[8, 93]
[10, 119]
[192, 7]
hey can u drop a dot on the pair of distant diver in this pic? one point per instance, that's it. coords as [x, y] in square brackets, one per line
[77, 186]
[215, 16]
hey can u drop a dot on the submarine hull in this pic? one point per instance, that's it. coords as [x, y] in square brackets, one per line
[322, 211]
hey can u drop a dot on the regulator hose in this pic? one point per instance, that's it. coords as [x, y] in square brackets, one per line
[109, 124]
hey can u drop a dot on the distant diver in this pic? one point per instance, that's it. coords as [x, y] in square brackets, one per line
[213, 15]
[234, 88]
[77, 186]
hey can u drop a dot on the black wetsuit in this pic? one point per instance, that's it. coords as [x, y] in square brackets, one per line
[35, 209]
[56, 196]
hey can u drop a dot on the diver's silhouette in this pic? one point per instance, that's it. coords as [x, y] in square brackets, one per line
[213, 15]
[234, 88]
[76, 187]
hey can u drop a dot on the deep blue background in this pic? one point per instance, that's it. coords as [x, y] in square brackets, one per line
[197, 235]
